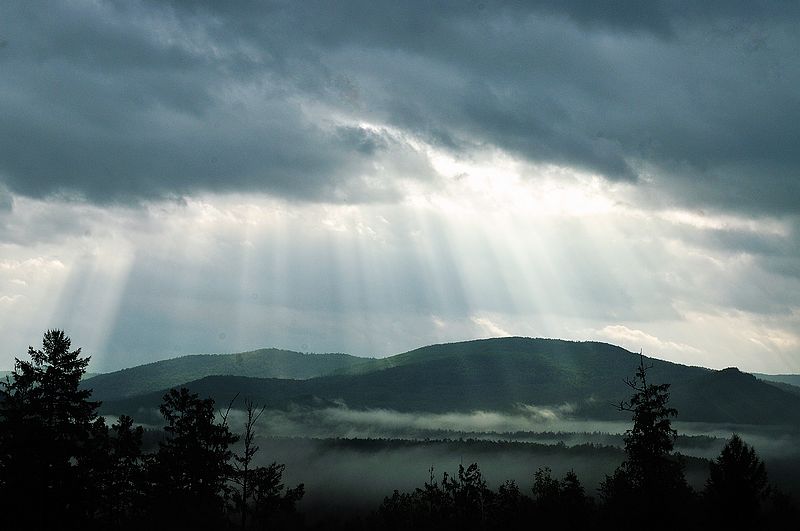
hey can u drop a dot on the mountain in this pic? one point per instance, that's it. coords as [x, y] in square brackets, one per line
[264, 363]
[736, 397]
[500, 375]
[789, 379]
[786, 382]
[7, 374]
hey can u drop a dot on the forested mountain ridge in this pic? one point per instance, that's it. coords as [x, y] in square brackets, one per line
[262, 363]
[502, 374]
[788, 379]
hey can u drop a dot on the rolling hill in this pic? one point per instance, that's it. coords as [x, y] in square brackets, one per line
[264, 363]
[788, 379]
[500, 374]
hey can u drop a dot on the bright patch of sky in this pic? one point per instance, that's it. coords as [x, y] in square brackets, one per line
[483, 254]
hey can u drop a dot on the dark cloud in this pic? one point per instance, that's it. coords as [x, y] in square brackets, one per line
[114, 104]
[6, 200]
[123, 101]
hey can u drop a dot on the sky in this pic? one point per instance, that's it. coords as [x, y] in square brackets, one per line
[371, 177]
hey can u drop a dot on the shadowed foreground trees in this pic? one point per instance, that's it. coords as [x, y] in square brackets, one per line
[259, 495]
[191, 480]
[737, 485]
[123, 479]
[648, 490]
[464, 501]
[50, 438]
[61, 467]
[650, 484]
[461, 501]
[188, 476]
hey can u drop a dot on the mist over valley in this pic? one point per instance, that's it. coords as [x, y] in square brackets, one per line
[344, 436]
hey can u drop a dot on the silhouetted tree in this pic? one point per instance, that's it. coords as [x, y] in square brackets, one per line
[399, 511]
[737, 484]
[783, 511]
[260, 489]
[470, 496]
[243, 462]
[463, 501]
[546, 489]
[434, 502]
[511, 508]
[572, 491]
[273, 503]
[122, 482]
[563, 503]
[49, 437]
[190, 472]
[651, 481]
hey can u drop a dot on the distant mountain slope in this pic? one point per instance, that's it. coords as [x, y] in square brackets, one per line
[264, 363]
[86, 376]
[791, 379]
[792, 389]
[732, 396]
[500, 374]
[577, 358]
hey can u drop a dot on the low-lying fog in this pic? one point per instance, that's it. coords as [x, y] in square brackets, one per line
[357, 475]
[351, 458]
[547, 425]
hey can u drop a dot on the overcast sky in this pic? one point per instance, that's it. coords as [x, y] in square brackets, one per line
[370, 177]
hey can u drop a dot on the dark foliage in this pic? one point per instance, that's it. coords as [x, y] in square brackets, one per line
[737, 485]
[61, 467]
[272, 504]
[124, 474]
[651, 479]
[563, 502]
[464, 501]
[259, 495]
[461, 501]
[49, 435]
[188, 476]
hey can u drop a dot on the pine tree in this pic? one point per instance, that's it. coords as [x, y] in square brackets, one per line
[649, 443]
[49, 431]
[273, 503]
[651, 481]
[560, 502]
[737, 484]
[190, 473]
[120, 482]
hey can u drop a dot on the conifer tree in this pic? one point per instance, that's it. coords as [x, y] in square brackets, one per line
[49, 431]
[651, 481]
[189, 475]
[120, 481]
[737, 484]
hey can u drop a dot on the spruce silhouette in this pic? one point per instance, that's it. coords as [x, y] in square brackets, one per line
[650, 484]
[50, 434]
[190, 473]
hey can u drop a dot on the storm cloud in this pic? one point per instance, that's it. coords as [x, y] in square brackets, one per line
[124, 101]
